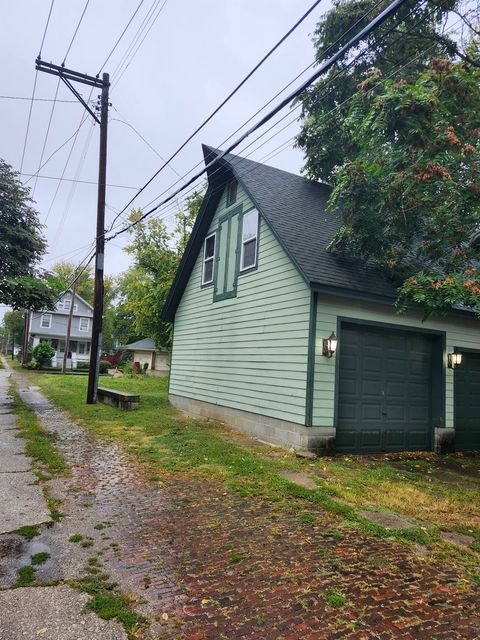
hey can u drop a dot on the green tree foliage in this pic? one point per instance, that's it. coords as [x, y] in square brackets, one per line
[21, 246]
[410, 200]
[66, 271]
[401, 47]
[143, 288]
[396, 135]
[43, 353]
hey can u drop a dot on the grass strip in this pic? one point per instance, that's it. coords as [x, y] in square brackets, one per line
[39, 445]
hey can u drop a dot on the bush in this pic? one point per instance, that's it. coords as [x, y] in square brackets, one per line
[104, 366]
[43, 353]
[33, 364]
[83, 365]
[144, 368]
[127, 356]
[129, 370]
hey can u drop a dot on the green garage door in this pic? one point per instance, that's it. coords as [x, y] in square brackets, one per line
[385, 390]
[467, 403]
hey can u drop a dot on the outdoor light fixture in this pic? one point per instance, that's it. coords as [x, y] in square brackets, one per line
[330, 345]
[454, 359]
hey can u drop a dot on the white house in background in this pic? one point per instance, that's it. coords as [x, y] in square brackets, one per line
[51, 327]
[145, 352]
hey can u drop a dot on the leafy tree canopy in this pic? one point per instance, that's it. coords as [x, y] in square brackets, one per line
[400, 144]
[21, 247]
[144, 287]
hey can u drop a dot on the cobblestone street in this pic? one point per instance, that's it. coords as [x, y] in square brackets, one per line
[205, 563]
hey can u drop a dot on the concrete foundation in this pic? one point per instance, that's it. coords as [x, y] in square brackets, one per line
[272, 430]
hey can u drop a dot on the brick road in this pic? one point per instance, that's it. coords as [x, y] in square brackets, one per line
[209, 564]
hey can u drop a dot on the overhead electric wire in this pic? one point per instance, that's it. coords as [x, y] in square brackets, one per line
[224, 102]
[117, 80]
[345, 101]
[361, 19]
[379, 19]
[46, 135]
[35, 87]
[120, 37]
[76, 31]
[25, 98]
[136, 37]
[92, 182]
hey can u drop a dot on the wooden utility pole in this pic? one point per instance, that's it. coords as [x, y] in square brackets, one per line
[68, 76]
[26, 329]
[97, 324]
[69, 327]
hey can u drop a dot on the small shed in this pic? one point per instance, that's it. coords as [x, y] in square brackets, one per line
[144, 351]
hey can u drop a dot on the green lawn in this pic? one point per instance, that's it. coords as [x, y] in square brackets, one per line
[441, 492]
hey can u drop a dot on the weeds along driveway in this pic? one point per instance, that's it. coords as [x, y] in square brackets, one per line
[208, 540]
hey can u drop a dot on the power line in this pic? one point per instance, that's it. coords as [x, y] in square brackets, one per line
[121, 36]
[76, 31]
[46, 135]
[37, 99]
[371, 26]
[224, 102]
[46, 28]
[92, 182]
[140, 43]
[136, 37]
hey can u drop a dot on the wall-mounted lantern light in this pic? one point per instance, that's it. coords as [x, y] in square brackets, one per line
[330, 345]
[454, 359]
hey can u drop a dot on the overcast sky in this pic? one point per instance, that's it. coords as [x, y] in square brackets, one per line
[195, 53]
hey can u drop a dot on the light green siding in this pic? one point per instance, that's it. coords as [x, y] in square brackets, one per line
[248, 352]
[460, 332]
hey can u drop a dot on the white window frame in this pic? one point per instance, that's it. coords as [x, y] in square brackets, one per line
[244, 242]
[80, 325]
[82, 348]
[211, 259]
[46, 315]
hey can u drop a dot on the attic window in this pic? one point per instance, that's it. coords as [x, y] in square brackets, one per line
[249, 240]
[232, 192]
[208, 259]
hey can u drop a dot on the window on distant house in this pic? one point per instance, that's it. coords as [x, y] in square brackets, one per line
[61, 346]
[81, 348]
[208, 259]
[46, 320]
[84, 324]
[66, 304]
[232, 189]
[248, 257]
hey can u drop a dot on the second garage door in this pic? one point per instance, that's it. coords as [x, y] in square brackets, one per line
[467, 403]
[384, 390]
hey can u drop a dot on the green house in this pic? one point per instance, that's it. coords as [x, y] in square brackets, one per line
[283, 340]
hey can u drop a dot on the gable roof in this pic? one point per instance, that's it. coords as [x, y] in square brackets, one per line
[146, 344]
[78, 297]
[295, 210]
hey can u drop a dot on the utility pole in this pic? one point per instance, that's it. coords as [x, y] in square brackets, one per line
[68, 76]
[26, 329]
[69, 327]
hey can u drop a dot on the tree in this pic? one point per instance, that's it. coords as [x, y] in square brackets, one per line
[185, 219]
[22, 246]
[395, 132]
[13, 326]
[144, 287]
[404, 46]
[410, 200]
[66, 271]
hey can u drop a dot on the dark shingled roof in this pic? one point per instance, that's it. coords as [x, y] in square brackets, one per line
[295, 209]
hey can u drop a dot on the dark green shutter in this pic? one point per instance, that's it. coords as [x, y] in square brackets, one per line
[226, 261]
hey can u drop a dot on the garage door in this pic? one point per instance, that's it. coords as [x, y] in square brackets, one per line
[467, 403]
[385, 390]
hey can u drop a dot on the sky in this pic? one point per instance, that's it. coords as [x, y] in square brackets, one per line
[193, 56]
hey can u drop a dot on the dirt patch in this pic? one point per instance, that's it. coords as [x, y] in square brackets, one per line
[302, 479]
[388, 520]
[460, 539]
